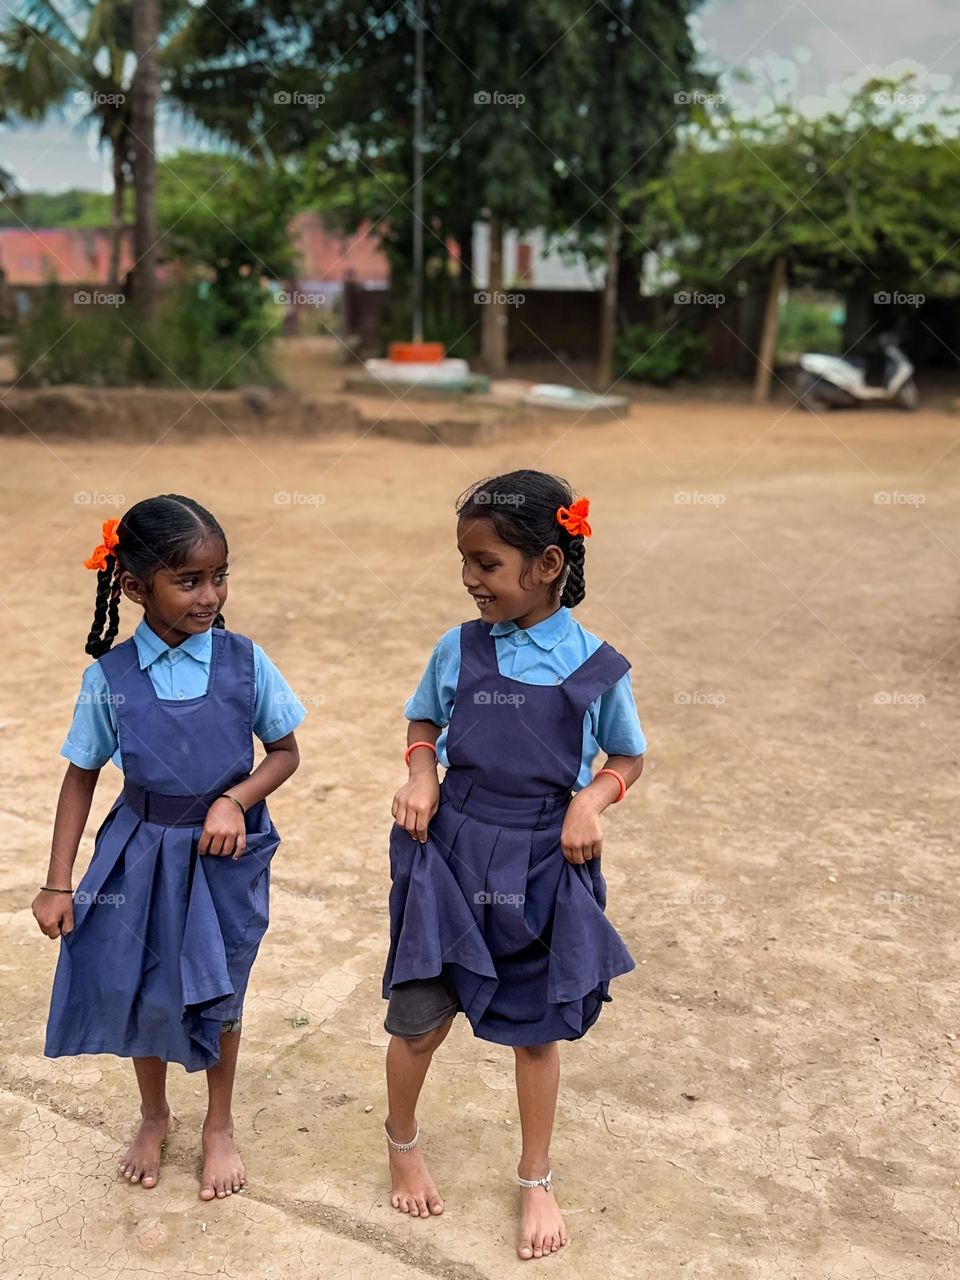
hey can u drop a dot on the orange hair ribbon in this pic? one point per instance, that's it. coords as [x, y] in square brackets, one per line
[98, 557]
[574, 518]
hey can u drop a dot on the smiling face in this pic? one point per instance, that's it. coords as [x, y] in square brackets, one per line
[183, 602]
[505, 586]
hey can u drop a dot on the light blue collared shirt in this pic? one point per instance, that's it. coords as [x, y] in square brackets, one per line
[180, 672]
[545, 653]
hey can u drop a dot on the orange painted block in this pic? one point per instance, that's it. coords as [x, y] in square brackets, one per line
[415, 352]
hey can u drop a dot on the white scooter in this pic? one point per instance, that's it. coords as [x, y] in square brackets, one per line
[840, 382]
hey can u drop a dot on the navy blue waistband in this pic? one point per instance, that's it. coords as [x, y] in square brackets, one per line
[500, 808]
[169, 811]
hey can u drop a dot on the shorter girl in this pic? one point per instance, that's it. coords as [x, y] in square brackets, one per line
[497, 898]
[157, 942]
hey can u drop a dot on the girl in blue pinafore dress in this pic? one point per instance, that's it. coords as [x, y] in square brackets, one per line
[158, 941]
[497, 900]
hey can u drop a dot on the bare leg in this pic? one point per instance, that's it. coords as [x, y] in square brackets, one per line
[142, 1161]
[223, 1171]
[412, 1189]
[542, 1229]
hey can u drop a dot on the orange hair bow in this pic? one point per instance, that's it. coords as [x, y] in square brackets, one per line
[574, 518]
[98, 557]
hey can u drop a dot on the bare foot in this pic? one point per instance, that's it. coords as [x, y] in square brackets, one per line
[223, 1171]
[142, 1161]
[412, 1190]
[542, 1229]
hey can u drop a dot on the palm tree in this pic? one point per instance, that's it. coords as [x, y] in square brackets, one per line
[56, 53]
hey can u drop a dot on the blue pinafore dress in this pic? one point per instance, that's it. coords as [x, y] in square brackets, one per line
[488, 900]
[163, 938]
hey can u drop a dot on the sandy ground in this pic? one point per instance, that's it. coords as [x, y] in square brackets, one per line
[773, 1092]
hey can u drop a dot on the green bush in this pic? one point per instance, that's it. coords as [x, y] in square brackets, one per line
[184, 344]
[809, 325]
[645, 354]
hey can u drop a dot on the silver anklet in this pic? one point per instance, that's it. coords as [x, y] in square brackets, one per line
[402, 1146]
[537, 1182]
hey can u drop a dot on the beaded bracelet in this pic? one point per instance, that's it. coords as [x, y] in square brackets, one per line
[413, 746]
[619, 778]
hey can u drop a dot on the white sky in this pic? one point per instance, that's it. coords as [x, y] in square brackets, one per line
[815, 49]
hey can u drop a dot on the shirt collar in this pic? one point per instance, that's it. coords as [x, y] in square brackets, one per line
[150, 646]
[546, 633]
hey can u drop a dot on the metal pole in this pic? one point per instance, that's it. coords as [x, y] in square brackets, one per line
[418, 183]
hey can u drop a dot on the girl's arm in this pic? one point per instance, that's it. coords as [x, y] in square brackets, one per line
[224, 830]
[419, 798]
[582, 836]
[54, 911]
[604, 789]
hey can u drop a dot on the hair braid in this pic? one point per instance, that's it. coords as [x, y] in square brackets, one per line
[574, 586]
[108, 598]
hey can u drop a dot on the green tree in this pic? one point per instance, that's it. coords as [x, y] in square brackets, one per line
[54, 55]
[636, 88]
[862, 200]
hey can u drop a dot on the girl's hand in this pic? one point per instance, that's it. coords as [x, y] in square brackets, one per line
[416, 802]
[582, 836]
[224, 831]
[53, 912]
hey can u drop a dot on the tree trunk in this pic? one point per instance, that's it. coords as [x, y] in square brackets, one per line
[146, 32]
[768, 336]
[493, 331]
[608, 306]
[116, 230]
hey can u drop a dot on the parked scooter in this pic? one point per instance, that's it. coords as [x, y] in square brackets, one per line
[841, 382]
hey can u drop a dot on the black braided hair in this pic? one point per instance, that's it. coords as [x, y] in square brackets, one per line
[522, 507]
[157, 533]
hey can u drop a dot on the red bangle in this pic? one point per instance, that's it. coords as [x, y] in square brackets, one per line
[413, 746]
[619, 778]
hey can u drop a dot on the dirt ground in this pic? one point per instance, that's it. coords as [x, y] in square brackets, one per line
[772, 1094]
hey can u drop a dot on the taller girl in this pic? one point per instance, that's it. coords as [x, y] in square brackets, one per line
[497, 898]
[157, 943]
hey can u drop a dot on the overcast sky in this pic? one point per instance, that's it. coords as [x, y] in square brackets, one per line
[816, 49]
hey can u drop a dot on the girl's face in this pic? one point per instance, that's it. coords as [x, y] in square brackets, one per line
[183, 602]
[498, 577]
